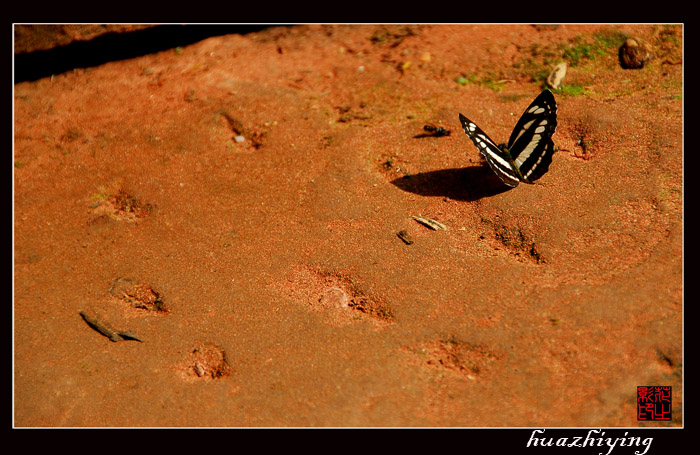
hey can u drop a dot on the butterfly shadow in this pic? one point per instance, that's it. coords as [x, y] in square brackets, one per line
[461, 184]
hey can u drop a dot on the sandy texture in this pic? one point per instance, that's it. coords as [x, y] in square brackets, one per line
[235, 204]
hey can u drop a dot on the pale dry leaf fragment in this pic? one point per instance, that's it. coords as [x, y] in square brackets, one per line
[556, 77]
[109, 332]
[429, 222]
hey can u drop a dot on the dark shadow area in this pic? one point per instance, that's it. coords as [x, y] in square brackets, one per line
[464, 184]
[117, 46]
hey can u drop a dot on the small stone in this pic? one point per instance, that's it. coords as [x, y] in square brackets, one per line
[239, 139]
[199, 369]
[635, 53]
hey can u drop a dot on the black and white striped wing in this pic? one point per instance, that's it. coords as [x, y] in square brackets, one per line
[530, 147]
[499, 160]
[530, 144]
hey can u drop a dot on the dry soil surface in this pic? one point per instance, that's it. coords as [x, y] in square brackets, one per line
[235, 203]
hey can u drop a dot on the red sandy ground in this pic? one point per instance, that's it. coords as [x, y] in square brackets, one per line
[288, 298]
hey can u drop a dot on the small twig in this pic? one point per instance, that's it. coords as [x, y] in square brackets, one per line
[403, 235]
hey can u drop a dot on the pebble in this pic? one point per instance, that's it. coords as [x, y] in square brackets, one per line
[335, 297]
[199, 369]
[635, 53]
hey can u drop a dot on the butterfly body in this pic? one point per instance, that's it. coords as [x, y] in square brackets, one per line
[529, 151]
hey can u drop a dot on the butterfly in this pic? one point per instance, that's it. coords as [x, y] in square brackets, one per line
[529, 152]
